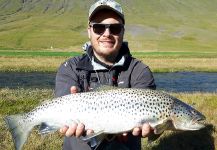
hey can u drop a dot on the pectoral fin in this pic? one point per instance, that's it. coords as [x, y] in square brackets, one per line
[159, 129]
[152, 137]
[166, 125]
[94, 139]
[45, 128]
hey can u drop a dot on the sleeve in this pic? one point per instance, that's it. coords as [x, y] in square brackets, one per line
[66, 77]
[142, 77]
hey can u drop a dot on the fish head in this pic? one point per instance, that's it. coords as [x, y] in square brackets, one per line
[185, 117]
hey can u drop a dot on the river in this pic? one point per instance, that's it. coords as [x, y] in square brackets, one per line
[171, 82]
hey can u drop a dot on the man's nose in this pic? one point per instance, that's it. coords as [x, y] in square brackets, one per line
[107, 32]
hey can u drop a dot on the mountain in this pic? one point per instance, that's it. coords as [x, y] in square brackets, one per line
[151, 25]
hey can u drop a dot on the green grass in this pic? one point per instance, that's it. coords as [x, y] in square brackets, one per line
[137, 54]
[18, 60]
[165, 25]
[23, 100]
[157, 64]
[37, 54]
[174, 54]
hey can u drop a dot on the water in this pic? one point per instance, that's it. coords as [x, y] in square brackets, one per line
[187, 81]
[171, 82]
[27, 80]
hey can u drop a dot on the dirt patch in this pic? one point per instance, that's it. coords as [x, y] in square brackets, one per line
[141, 30]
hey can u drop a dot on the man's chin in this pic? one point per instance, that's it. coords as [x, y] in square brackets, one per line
[106, 45]
[108, 49]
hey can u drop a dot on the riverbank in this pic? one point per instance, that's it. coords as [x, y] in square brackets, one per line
[170, 82]
[49, 61]
[23, 100]
[20, 100]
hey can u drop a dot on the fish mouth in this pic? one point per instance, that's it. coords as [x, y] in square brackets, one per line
[198, 122]
[199, 119]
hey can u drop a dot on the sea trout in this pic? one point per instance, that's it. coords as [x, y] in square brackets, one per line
[107, 110]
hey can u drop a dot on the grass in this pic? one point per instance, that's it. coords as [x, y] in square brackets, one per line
[49, 62]
[23, 100]
[38, 64]
[150, 25]
[137, 54]
[167, 35]
[181, 64]
[37, 54]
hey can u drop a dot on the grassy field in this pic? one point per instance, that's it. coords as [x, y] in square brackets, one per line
[49, 61]
[23, 100]
[165, 25]
[167, 35]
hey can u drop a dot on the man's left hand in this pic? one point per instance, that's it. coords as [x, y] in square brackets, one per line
[145, 130]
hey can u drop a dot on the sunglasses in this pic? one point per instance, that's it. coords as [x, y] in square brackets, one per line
[99, 28]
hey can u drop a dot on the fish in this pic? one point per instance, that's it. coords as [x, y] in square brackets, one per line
[107, 110]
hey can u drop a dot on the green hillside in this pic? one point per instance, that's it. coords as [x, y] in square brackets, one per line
[152, 25]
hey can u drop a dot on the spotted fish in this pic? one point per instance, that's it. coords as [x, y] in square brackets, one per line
[107, 111]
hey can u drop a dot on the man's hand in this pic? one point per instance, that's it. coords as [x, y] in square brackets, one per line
[73, 90]
[74, 129]
[145, 130]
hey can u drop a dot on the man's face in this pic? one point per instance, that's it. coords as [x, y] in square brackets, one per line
[106, 44]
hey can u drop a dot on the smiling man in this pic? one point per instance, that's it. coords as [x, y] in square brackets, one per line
[107, 62]
[106, 31]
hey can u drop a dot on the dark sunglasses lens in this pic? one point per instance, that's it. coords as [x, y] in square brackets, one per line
[115, 29]
[99, 28]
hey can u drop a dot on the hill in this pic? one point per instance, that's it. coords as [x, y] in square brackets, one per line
[152, 25]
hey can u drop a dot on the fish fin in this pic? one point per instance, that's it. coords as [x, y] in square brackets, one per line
[94, 139]
[19, 130]
[88, 137]
[152, 137]
[159, 129]
[45, 128]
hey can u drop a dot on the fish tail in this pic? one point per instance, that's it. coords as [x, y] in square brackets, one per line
[19, 130]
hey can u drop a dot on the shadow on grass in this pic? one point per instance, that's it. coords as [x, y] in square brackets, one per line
[196, 140]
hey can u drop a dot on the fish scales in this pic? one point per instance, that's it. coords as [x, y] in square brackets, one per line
[92, 104]
[113, 110]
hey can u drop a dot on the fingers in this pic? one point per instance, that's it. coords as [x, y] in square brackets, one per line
[146, 129]
[73, 89]
[89, 132]
[136, 131]
[79, 130]
[73, 130]
[63, 129]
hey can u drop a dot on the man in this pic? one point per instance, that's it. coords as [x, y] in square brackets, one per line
[107, 62]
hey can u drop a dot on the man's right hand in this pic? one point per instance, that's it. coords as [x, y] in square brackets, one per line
[74, 129]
